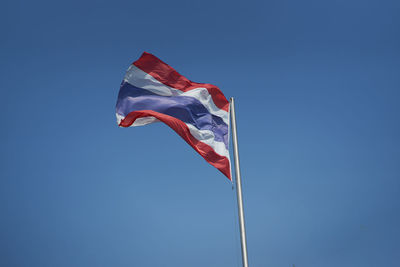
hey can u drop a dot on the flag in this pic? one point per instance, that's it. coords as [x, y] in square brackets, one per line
[153, 91]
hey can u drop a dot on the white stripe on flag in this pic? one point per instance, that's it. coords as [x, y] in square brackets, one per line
[208, 137]
[205, 136]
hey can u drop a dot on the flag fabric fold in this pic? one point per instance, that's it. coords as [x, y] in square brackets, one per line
[152, 91]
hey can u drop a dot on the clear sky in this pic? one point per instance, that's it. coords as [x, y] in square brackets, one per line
[317, 94]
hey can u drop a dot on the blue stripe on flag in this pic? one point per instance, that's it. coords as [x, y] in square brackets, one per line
[185, 108]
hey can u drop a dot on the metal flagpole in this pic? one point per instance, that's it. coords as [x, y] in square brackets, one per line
[238, 185]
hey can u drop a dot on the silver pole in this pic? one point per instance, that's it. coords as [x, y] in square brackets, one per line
[238, 185]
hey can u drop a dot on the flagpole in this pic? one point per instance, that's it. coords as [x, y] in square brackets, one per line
[238, 185]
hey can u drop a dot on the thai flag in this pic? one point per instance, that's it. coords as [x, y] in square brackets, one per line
[153, 91]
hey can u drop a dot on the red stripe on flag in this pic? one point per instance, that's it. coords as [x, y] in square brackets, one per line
[206, 151]
[170, 77]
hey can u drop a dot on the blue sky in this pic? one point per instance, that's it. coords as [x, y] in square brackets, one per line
[316, 85]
